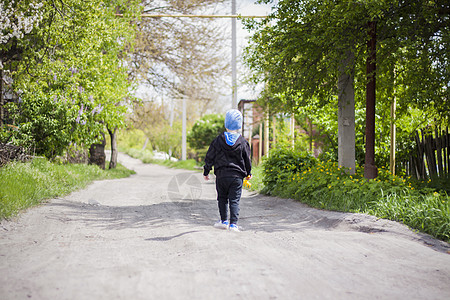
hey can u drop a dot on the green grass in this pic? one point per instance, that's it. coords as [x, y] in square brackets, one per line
[146, 157]
[188, 164]
[27, 184]
[257, 179]
[428, 213]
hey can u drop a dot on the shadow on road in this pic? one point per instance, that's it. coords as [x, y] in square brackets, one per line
[260, 213]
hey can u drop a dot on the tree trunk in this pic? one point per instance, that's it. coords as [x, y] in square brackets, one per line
[370, 169]
[97, 153]
[346, 115]
[114, 152]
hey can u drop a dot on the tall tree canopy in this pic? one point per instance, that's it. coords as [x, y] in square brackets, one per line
[303, 48]
[298, 50]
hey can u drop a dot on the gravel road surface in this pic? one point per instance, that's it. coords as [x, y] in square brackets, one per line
[150, 236]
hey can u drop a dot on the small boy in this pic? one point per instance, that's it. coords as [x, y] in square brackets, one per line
[229, 153]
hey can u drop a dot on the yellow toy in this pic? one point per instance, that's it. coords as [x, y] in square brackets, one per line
[247, 184]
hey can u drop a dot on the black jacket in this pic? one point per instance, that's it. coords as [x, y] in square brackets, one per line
[228, 161]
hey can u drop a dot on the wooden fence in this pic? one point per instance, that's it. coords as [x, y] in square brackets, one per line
[432, 157]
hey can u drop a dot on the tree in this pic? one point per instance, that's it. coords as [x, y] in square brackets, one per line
[299, 50]
[17, 19]
[180, 57]
[69, 74]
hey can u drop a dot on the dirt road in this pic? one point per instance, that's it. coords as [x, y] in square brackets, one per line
[150, 236]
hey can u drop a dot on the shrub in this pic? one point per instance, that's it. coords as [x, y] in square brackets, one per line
[281, 163]
[325, 185]
[204, 131]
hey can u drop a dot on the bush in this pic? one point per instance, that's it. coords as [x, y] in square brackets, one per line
[281, 163]
[325, 185]
[204, 131]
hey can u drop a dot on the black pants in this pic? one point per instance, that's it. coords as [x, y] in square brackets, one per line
[229, 190]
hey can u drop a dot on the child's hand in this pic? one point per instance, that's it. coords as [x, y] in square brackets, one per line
[206, 177]
[248, 177]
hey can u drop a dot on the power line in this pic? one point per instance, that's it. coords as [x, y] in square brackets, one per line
[197, 16]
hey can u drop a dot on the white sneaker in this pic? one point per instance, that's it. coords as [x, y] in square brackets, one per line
[234, 227]
[221, 224]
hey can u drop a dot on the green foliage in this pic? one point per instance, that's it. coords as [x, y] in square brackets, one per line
[323, 184]
[165, 137]
[205, 130]
[301, 46]
[27, 184]
[298, 54]
[146, 157]
[70, 78]
[257, 178]
[132, 138]
[280, 163]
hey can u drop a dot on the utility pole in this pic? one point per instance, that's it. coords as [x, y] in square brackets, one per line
[183, 138]
[233, 56]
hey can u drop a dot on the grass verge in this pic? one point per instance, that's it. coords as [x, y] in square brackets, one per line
[27, 184]
[188, 164]
[257, 179]
[146, 157]
[419, 205]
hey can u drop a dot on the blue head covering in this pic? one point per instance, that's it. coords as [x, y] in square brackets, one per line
[233, 121]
